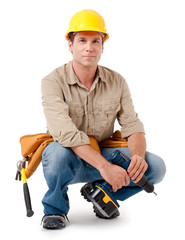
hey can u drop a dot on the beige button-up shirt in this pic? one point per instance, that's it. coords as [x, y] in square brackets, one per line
[73, 112]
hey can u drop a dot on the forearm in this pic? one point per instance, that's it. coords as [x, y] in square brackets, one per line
[137, 144]
[90, 155]
[137, 148]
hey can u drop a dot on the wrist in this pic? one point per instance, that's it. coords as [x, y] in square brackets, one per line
[138, 155]
[103, 164]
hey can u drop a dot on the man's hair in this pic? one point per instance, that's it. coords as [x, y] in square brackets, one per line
[73, 34]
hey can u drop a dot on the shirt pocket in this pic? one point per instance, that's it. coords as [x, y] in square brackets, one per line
[106, 114]
[76, 113]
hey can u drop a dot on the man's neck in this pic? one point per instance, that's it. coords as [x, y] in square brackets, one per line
[86, 75]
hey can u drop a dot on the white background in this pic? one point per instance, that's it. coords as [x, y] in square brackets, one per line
[146, 46]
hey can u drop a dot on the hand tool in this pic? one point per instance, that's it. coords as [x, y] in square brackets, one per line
[21, 173]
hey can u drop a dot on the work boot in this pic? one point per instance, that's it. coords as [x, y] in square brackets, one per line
[85, 190]
[54, 221]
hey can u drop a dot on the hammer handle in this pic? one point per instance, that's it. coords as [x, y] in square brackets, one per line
[26, 194]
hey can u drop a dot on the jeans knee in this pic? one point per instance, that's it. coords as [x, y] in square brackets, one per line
[156, 168]
[54, 158]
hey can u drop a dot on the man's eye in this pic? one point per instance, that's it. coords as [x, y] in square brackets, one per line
[96, 41]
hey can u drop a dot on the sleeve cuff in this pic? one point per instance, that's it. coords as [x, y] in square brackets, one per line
[126, 132]
[72, 139]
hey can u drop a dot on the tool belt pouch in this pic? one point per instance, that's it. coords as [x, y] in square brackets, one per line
[114, 141]
[32, 147]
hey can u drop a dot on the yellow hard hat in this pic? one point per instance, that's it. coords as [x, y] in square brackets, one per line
[87, 20]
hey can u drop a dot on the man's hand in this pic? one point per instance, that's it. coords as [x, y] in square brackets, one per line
[116, 176]
[137, 167]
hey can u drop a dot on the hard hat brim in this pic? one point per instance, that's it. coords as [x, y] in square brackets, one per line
[106, 35]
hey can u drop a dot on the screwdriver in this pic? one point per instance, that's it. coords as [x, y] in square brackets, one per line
[122, 160]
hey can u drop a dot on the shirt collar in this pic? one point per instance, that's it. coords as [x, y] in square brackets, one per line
[73, 79]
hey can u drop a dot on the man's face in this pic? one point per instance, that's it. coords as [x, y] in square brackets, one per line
[86, 48]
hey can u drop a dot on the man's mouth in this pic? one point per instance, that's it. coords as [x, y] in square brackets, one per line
[89, 56]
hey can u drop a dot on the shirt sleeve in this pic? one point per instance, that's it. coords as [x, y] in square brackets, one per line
[127, 117]
[59, 123]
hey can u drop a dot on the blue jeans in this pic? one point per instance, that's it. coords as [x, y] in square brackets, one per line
[61, 167]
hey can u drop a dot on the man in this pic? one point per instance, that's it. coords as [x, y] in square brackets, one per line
[82, 99]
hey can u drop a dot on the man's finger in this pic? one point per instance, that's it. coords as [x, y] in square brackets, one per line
[142, 172]
[132, 164]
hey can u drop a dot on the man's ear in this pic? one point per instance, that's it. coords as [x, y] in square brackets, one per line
[70, 45]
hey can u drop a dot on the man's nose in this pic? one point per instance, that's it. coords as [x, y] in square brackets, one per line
[89, 47]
